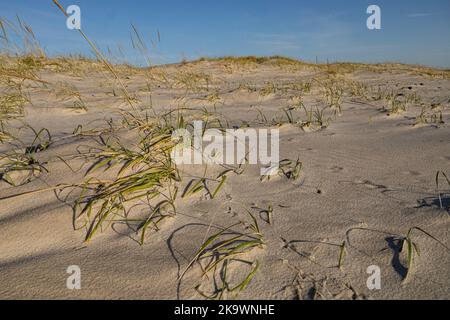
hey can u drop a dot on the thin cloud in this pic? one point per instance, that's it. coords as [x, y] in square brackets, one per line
[274, 40]
[279, 44]
[421, 15]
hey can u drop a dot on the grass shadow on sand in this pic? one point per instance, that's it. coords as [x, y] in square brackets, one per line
[396, 246]
[442, 203]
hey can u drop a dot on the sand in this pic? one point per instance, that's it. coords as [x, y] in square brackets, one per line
[367, 178]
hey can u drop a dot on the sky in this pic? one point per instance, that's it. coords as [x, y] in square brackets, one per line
[412, 31]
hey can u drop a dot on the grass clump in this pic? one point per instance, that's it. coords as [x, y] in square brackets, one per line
[396, 103]
[268, 89]
[429, 116]
[246, 60]
[358, 89]
[221, 250]
[315, 119]
[12, 105]
[192, 81]
[286, 168]
[67, 92]
[17, 169]
[141, 174]
[223, 287]
[5, 135]
[291, 169]
[20, 167]
[333, 94]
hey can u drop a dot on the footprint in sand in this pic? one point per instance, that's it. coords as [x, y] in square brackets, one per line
[369, 184]
[411, 173]
[336, 169]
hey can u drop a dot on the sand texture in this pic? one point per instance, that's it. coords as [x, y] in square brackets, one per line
[369, 149]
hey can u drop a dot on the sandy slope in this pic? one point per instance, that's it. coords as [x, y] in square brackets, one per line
[366, 170]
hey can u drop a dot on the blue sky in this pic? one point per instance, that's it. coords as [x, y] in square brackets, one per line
[413, 31]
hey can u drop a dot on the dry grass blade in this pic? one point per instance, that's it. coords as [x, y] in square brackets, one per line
[291, 169]
[341, 255]
[413, 248]
[101, 57]
[438, 174]
[266, 214]
[157, 216]
[342, 250]
[194, 187]
[223, 178]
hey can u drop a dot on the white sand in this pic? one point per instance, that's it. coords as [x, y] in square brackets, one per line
[373, 171]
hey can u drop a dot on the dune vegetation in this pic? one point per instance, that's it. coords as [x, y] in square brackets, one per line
[96, 138]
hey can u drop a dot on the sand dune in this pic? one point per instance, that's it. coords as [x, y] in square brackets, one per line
[370, 139]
